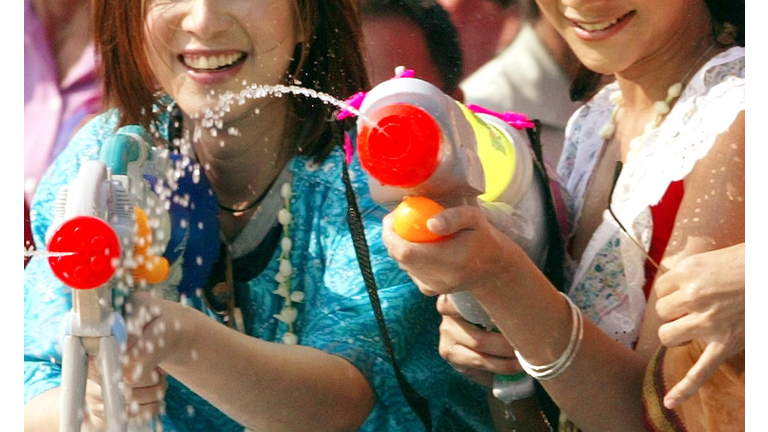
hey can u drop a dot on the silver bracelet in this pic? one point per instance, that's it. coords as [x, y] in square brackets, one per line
[554, 369]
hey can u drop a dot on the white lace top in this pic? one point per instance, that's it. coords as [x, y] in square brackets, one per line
[607, 284]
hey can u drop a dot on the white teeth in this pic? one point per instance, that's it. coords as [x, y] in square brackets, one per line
[598, 26]
[211, 62]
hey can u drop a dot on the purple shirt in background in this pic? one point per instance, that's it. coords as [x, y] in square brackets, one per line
[52, 113]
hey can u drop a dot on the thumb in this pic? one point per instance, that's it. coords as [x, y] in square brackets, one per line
[455, 219]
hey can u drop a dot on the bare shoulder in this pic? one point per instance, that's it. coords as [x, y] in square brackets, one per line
[711, 215]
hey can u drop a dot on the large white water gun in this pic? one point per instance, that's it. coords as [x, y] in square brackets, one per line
[414, 140]
[108, 235]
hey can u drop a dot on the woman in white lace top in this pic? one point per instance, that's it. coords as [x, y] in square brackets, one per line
[674, 118]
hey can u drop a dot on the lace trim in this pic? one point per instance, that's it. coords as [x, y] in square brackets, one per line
[706, 108]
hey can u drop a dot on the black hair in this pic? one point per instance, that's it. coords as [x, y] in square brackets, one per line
[440, 33]
[505, 3]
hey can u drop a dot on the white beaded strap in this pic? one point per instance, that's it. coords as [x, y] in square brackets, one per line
[554, 369]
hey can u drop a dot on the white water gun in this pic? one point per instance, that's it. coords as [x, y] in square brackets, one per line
[414, 140]
[106, 221]
[417, 141]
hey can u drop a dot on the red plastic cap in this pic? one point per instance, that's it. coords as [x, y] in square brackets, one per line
[401, 147]
[94, 249]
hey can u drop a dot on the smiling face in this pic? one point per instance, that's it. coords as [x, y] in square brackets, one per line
[199, 48]
[613, 36]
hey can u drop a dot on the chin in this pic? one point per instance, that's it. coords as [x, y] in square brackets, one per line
[212, 108]
[597, 62]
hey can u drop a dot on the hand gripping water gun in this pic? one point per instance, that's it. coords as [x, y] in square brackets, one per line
[106, 219]
[139, 215]
[414, 140]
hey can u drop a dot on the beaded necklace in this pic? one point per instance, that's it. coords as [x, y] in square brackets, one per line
[225, 290]
[288, 314]
[661, 107]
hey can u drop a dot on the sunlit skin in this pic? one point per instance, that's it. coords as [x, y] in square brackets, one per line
[262, 35]
[651, 46]
[647, 47]
[264, 32]
[254, 41]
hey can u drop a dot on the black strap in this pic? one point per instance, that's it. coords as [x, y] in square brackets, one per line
[417, 402]
[555, 263]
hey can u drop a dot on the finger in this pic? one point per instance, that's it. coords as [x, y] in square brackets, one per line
[93, 370]
[388, 235]
[446, 307]
[93, 420]
[423, 287]
[463, 357]
[476, 338]
[673, 306]
[93, 392]
[147, 395]
[714, 355]
[455, 219]
[94, 406]
[149, 379]
[681, 330]
[145, 412]
[668, 282]
[141, 359]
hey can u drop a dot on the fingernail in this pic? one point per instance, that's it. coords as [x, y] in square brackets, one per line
[436, 225]
[670, 403]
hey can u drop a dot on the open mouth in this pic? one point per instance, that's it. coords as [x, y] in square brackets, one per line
[212, 63]
[594, 27]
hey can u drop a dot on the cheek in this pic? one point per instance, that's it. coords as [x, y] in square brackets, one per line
[269, 24]
[157, 37]
[548, 8]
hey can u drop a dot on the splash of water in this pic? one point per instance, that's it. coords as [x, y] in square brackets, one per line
[213, 118]
[28, 253]
[168, 183]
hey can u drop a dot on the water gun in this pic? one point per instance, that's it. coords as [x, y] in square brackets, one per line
[415, 141]
[113, 233]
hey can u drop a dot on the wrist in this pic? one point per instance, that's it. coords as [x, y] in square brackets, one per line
[184, 349]
[507, 276]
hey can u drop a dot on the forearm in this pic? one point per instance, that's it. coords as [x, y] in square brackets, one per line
[270, 386]
[602, 389]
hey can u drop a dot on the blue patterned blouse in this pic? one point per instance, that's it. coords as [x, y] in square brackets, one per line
[335, 317]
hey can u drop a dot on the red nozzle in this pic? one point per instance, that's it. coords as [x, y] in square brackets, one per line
[401, 147]
[94, 249]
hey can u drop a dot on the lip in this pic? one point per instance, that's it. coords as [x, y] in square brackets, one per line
[598, 35]
[213, 76]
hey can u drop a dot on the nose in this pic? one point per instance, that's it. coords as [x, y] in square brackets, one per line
[206, 18]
